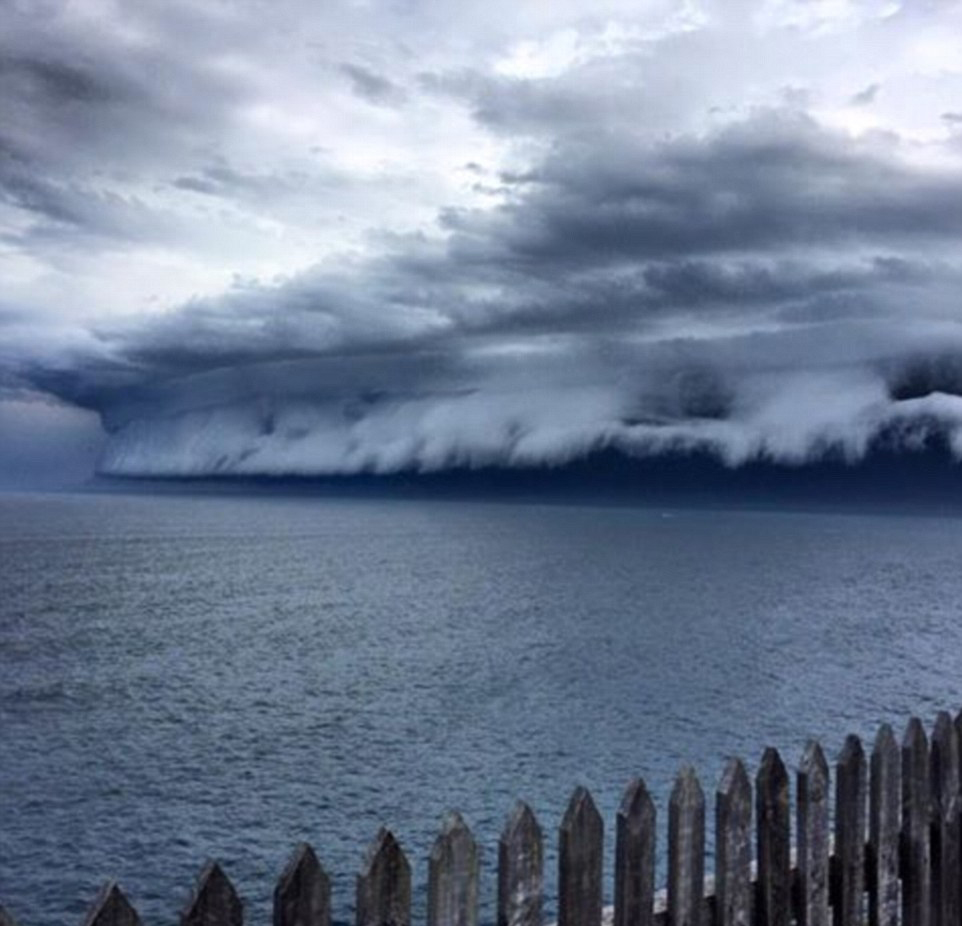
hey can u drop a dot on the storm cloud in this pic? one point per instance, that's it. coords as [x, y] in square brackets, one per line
[512, 243]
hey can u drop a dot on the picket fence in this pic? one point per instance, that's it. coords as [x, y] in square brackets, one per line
[889, 855]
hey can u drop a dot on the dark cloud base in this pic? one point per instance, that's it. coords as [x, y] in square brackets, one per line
[925, 480]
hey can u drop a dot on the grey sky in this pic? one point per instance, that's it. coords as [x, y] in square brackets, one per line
[291, 237]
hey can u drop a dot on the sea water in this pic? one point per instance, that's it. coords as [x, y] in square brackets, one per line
[193, 677]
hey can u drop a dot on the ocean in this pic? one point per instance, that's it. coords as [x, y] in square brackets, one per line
[185, 677]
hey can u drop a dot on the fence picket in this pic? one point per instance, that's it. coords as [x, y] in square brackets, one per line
[686, 850]
[774, 841]
[214, 901]
[111, 908]
[635, 857]
[850, 794]
[580, 862]
[453, 871]
[303, 893]
[733, 847]
[884, 827]
[384, 884]
[916, 874]
[944, 763]
[812, 791]
[520, 869]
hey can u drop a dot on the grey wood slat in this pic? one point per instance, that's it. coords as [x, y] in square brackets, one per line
[733, 847]
[915, 867]
[214, 901]
[520, 870]
[773, 825]
[453, 872]
[111, 908]
[944, 764]
[686, 850]
[885, 815]
[851, 785]
[384, 884]
[812, 798]
[302, 896]
[580, 862]
[635, 857]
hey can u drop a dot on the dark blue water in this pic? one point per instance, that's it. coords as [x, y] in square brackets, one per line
[190, 677]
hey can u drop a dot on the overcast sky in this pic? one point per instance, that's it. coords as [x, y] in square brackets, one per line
[277, 237]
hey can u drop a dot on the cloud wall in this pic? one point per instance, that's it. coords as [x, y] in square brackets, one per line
[513, 245]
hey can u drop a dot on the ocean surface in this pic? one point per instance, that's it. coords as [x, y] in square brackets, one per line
[185, 677]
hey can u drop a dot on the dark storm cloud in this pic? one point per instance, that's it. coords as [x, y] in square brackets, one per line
[569, 318]
[653, 266]
[55, 83]
[773, 181]
[82, 114]
[68, 213]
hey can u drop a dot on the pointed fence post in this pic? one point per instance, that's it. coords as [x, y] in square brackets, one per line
[384, 884]
[850, 794]
[6, 918]
[214, 901]
[302, 896]
[580, 862]
[944, 835]
[686, 850]
[812, 791]
[916, 874]
[453, 876]
[884, 825]
[635, 858]
[774, 845]
[733, 847]
[520, 869]
[110, 908]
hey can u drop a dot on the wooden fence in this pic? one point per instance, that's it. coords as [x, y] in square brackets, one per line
[889, 855]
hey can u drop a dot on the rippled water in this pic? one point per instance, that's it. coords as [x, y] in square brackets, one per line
[184, 677]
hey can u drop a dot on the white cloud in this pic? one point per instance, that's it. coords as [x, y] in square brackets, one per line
[199, 193]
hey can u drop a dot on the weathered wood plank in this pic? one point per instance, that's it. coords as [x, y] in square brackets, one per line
[214, 901]
[773, 824]
[635, 857]
[384, 884]
[958, 734]
[453, 871]
[110, 908]
[302, 896]
[884, 826]
[915, 868]
[812, 793]
[580, 860]
[850, 795]
[686, 850]
[944, 764]
[520, 870]
[950, 834]
[6, 918]
[733, 847]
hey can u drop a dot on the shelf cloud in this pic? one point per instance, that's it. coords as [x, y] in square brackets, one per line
[514, 242]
